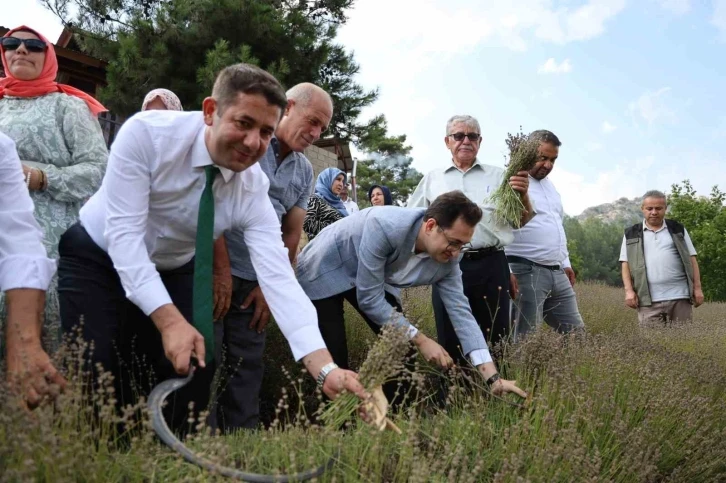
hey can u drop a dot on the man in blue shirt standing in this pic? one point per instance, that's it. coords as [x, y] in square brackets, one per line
[240, 307]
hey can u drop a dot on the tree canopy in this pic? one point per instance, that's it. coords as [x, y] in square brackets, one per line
[182, 44]
[705, 219]
[386, 161]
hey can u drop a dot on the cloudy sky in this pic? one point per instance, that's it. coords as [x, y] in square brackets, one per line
[634, 89]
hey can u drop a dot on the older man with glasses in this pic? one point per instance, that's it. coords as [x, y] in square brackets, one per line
[487, 281]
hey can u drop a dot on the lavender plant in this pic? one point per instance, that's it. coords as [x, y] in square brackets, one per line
[508, 205]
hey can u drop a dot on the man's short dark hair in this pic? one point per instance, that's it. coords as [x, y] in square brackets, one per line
[544, 136]
[247, 79]
[448, 207]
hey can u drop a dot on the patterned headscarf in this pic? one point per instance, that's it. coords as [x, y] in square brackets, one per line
[170, 100]
[323, 185]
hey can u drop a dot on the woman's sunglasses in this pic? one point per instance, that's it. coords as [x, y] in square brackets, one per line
[33, 45]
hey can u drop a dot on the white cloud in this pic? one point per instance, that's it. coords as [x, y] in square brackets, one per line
[32, 14]
[633, 177]
[652, 107]
[433, 26]
[552, 67]
[593, 146]
[718, 19]
[607, 128]
[677, 7]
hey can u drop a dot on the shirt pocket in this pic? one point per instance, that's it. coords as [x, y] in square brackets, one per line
[295, 189]
[639, 260]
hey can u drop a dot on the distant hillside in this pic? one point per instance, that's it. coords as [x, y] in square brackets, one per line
[623, 211]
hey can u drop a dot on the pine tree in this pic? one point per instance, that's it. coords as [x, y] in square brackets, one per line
[182, 44]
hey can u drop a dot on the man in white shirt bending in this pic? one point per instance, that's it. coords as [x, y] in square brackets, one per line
[538, 256]
[138, 267]
[25, 273]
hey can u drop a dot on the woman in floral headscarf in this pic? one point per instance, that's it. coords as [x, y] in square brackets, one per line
[325, 206]
[161, 100]
[59, 142]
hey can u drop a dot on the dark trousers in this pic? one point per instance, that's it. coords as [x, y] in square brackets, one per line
[486, 285]
[239, 350]
[331, 321]
[125, 341]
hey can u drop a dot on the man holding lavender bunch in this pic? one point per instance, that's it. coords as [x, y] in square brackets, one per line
[487, 281]
[538, 256]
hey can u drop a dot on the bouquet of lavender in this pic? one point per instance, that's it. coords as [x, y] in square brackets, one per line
[508, 206]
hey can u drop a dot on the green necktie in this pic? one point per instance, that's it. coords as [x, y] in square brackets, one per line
[203, 260]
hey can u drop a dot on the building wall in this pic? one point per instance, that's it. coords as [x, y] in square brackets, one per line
[320, 159]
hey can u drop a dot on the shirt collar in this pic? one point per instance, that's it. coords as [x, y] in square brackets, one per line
[292, 156]
[453, 166]
[645, 227]
[200, 155]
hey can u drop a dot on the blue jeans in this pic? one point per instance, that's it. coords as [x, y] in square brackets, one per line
[544, 295]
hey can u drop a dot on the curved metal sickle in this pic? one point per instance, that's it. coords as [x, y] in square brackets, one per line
[156, 401]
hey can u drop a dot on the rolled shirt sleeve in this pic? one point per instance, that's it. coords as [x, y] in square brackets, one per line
[302, 201]
[292, 309]
[624, 250]
[23, 260]
[691, 249]
[418, 199]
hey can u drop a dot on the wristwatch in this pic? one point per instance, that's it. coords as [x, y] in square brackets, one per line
[327, 368]
[493, 379]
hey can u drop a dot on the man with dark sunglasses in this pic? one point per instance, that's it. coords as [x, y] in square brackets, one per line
[487, 281]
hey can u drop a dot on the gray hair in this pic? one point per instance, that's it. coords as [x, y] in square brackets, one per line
[305, 92]
[654, 194]
[544, 136]
[469, 121]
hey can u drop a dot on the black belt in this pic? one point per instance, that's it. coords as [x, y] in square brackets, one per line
[480, 253]
[515, 259]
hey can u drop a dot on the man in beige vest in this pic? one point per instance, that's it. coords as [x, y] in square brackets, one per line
[659, 267]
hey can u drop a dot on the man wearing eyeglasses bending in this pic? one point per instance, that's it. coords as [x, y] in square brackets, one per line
[487, 281]
[358, 257]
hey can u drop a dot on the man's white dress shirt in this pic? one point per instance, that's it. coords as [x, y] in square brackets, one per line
[543, 239]
[478, 183]
[350, 206]
[145, 217]
[24, 262]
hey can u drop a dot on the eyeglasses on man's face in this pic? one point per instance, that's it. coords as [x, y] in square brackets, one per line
[472, 136]
[455, 245]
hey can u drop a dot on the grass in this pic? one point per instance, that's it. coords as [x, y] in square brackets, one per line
[618, 404]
